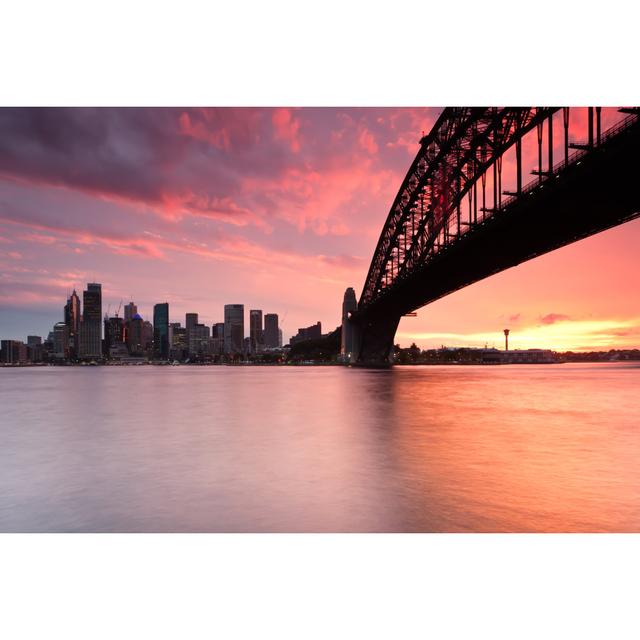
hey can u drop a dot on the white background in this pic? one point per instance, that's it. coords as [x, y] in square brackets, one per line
[318, 586]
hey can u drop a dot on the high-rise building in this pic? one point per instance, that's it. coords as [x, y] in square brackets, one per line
[61, 341]
[190, 321]
[199, 337]
[233, 328]
[72, 320]
[349, 305]
[34, 348]
[255, 330]
[147, 337]
[217, 338]
[177, 341]
[161, 331]
[270, 336]
[280, 340]
[91, 325]
[130, 310]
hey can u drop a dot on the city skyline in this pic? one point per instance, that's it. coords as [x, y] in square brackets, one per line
[284, 205]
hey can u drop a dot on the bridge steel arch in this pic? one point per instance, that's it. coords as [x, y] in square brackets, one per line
[441, 235]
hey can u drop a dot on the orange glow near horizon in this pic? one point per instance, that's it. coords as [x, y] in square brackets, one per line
[563, 335]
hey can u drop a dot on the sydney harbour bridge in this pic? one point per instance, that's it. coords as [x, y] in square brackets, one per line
[453, 223]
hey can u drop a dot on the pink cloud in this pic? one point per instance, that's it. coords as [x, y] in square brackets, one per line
[286, 128]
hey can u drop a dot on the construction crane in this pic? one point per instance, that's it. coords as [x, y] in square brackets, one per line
[119, 306]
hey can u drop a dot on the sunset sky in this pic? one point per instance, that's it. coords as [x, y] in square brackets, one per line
[279, 209]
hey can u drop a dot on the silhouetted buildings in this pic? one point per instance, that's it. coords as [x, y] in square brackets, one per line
[271, 331]
[86, 336]
[61, 341]
[72, 320]
[255, 330]
[233, 328]
[161, 331]
[314, 332]
[13, 352]
[91, 324]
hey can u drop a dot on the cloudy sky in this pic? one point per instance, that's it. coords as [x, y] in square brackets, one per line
[279, 209]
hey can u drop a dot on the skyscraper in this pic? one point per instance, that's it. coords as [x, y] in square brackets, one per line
[217, 338]
[271, 330]
[233, 328]
[255, 330]
[135, 335]
[161, 331]
[349, 305]
[60, 341]
[190, 321]
[91, 325]
[130, 310]
[72, 320]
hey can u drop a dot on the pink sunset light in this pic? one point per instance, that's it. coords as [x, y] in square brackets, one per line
[278, 209]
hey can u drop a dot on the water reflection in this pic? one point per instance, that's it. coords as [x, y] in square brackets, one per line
[523, 448]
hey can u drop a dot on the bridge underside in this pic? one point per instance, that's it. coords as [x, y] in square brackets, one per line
[599, 192]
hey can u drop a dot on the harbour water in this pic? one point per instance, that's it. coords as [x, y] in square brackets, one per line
[434, 448]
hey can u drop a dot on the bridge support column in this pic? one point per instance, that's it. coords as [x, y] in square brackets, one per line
[374, 341]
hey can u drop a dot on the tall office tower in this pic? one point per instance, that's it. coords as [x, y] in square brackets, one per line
[256, 334]
[233, 328]
[271, 330]
[135, 335]
[217, 338]
[34, 348]
[190, 321]
[147, 337]
[130, 310]
[72, 320]
[199, 339]
[91, 325]
[161, 331]
[177, 341]
[280, 341]
[349, 305]
[60, 341]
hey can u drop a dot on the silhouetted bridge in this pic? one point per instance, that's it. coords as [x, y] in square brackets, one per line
[452, 223]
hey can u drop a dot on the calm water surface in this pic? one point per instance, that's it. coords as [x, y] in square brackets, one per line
[505, 448]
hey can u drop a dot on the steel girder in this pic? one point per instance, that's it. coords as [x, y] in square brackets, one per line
[459, 151]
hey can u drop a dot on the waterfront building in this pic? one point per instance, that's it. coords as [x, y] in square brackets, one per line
[91, 325]
[307, 333]
[200, 334]
[13, 352]
[72, 320]
[271, 331]
[135, 335]
[349, 305]
[255, 330]
[233, 328]
[191, 320]
[177, 342]
[34, 348]
[161, 331]
[61, 341]
[217, 338]
[147, 337]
